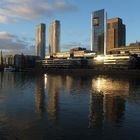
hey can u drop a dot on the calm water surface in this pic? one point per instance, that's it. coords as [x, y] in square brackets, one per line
[66, 107]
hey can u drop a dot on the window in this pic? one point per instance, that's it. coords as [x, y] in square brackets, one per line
[96, 21]
[108, 26]
[115, 25]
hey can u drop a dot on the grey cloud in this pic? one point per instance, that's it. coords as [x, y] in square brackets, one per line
[13, 44]
[3, 19]
[72, 33]
[63, 6]
[84, 44]
[70, 45]
[33, 9]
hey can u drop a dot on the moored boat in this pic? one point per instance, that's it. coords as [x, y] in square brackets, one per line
[9, 69]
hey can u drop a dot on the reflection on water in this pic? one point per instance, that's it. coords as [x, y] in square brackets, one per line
[107, 101]
[40, 95]
[110, 86]
[54, 83]
[66, 107]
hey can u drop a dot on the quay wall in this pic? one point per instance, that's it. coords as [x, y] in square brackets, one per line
[117, 72]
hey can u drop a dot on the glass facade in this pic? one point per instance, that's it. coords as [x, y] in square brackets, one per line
[98, 32]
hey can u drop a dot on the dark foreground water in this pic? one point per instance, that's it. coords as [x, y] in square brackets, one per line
[64, 107]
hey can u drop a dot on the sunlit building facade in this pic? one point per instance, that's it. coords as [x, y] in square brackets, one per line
[9, 60]
[116, 33]
[99, 34]
[133, 48]
[54, 37]
[41, 40]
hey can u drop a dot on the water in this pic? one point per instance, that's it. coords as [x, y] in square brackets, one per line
[66, 107]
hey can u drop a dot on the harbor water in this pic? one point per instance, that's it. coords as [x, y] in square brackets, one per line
[69, 107]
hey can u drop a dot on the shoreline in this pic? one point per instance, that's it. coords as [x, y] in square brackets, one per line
[131, 72]
[84, 72]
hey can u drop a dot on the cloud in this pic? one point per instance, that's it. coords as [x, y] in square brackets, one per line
[3, 19]
[73, 33]
[33, 9]
[12, 44]
[70, 45]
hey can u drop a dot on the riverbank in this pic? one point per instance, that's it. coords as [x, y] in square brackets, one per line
[88, 72]
[117, 72]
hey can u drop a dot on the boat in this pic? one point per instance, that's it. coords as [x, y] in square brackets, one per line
[1, 68]
[9, 69]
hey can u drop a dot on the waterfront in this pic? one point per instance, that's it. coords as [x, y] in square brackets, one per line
[68, 107]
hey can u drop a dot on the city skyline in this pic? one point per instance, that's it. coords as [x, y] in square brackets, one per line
[74, 17]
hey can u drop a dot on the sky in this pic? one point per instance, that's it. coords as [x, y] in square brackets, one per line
[19, 18]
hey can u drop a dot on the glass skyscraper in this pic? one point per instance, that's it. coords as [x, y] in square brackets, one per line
[98, 36]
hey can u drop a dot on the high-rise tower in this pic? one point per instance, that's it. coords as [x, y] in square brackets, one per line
[54, 37]
[116, 33]
[99, 34]
[1, 58]
[41, 40]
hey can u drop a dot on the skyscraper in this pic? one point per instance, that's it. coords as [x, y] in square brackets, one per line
[41, 40]
[98, 37]
[116, 33]
[54, 37]
[1, 58]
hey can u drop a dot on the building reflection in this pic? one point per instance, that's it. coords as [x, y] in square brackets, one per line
[1, 80]
[96, 111]
[40, 95]
[51, 84]
[7, 79]
[69, 83]
[76, 83]
[115, 108]
[134, 89]
[107, 102]
[72, 83]
[54, 84]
